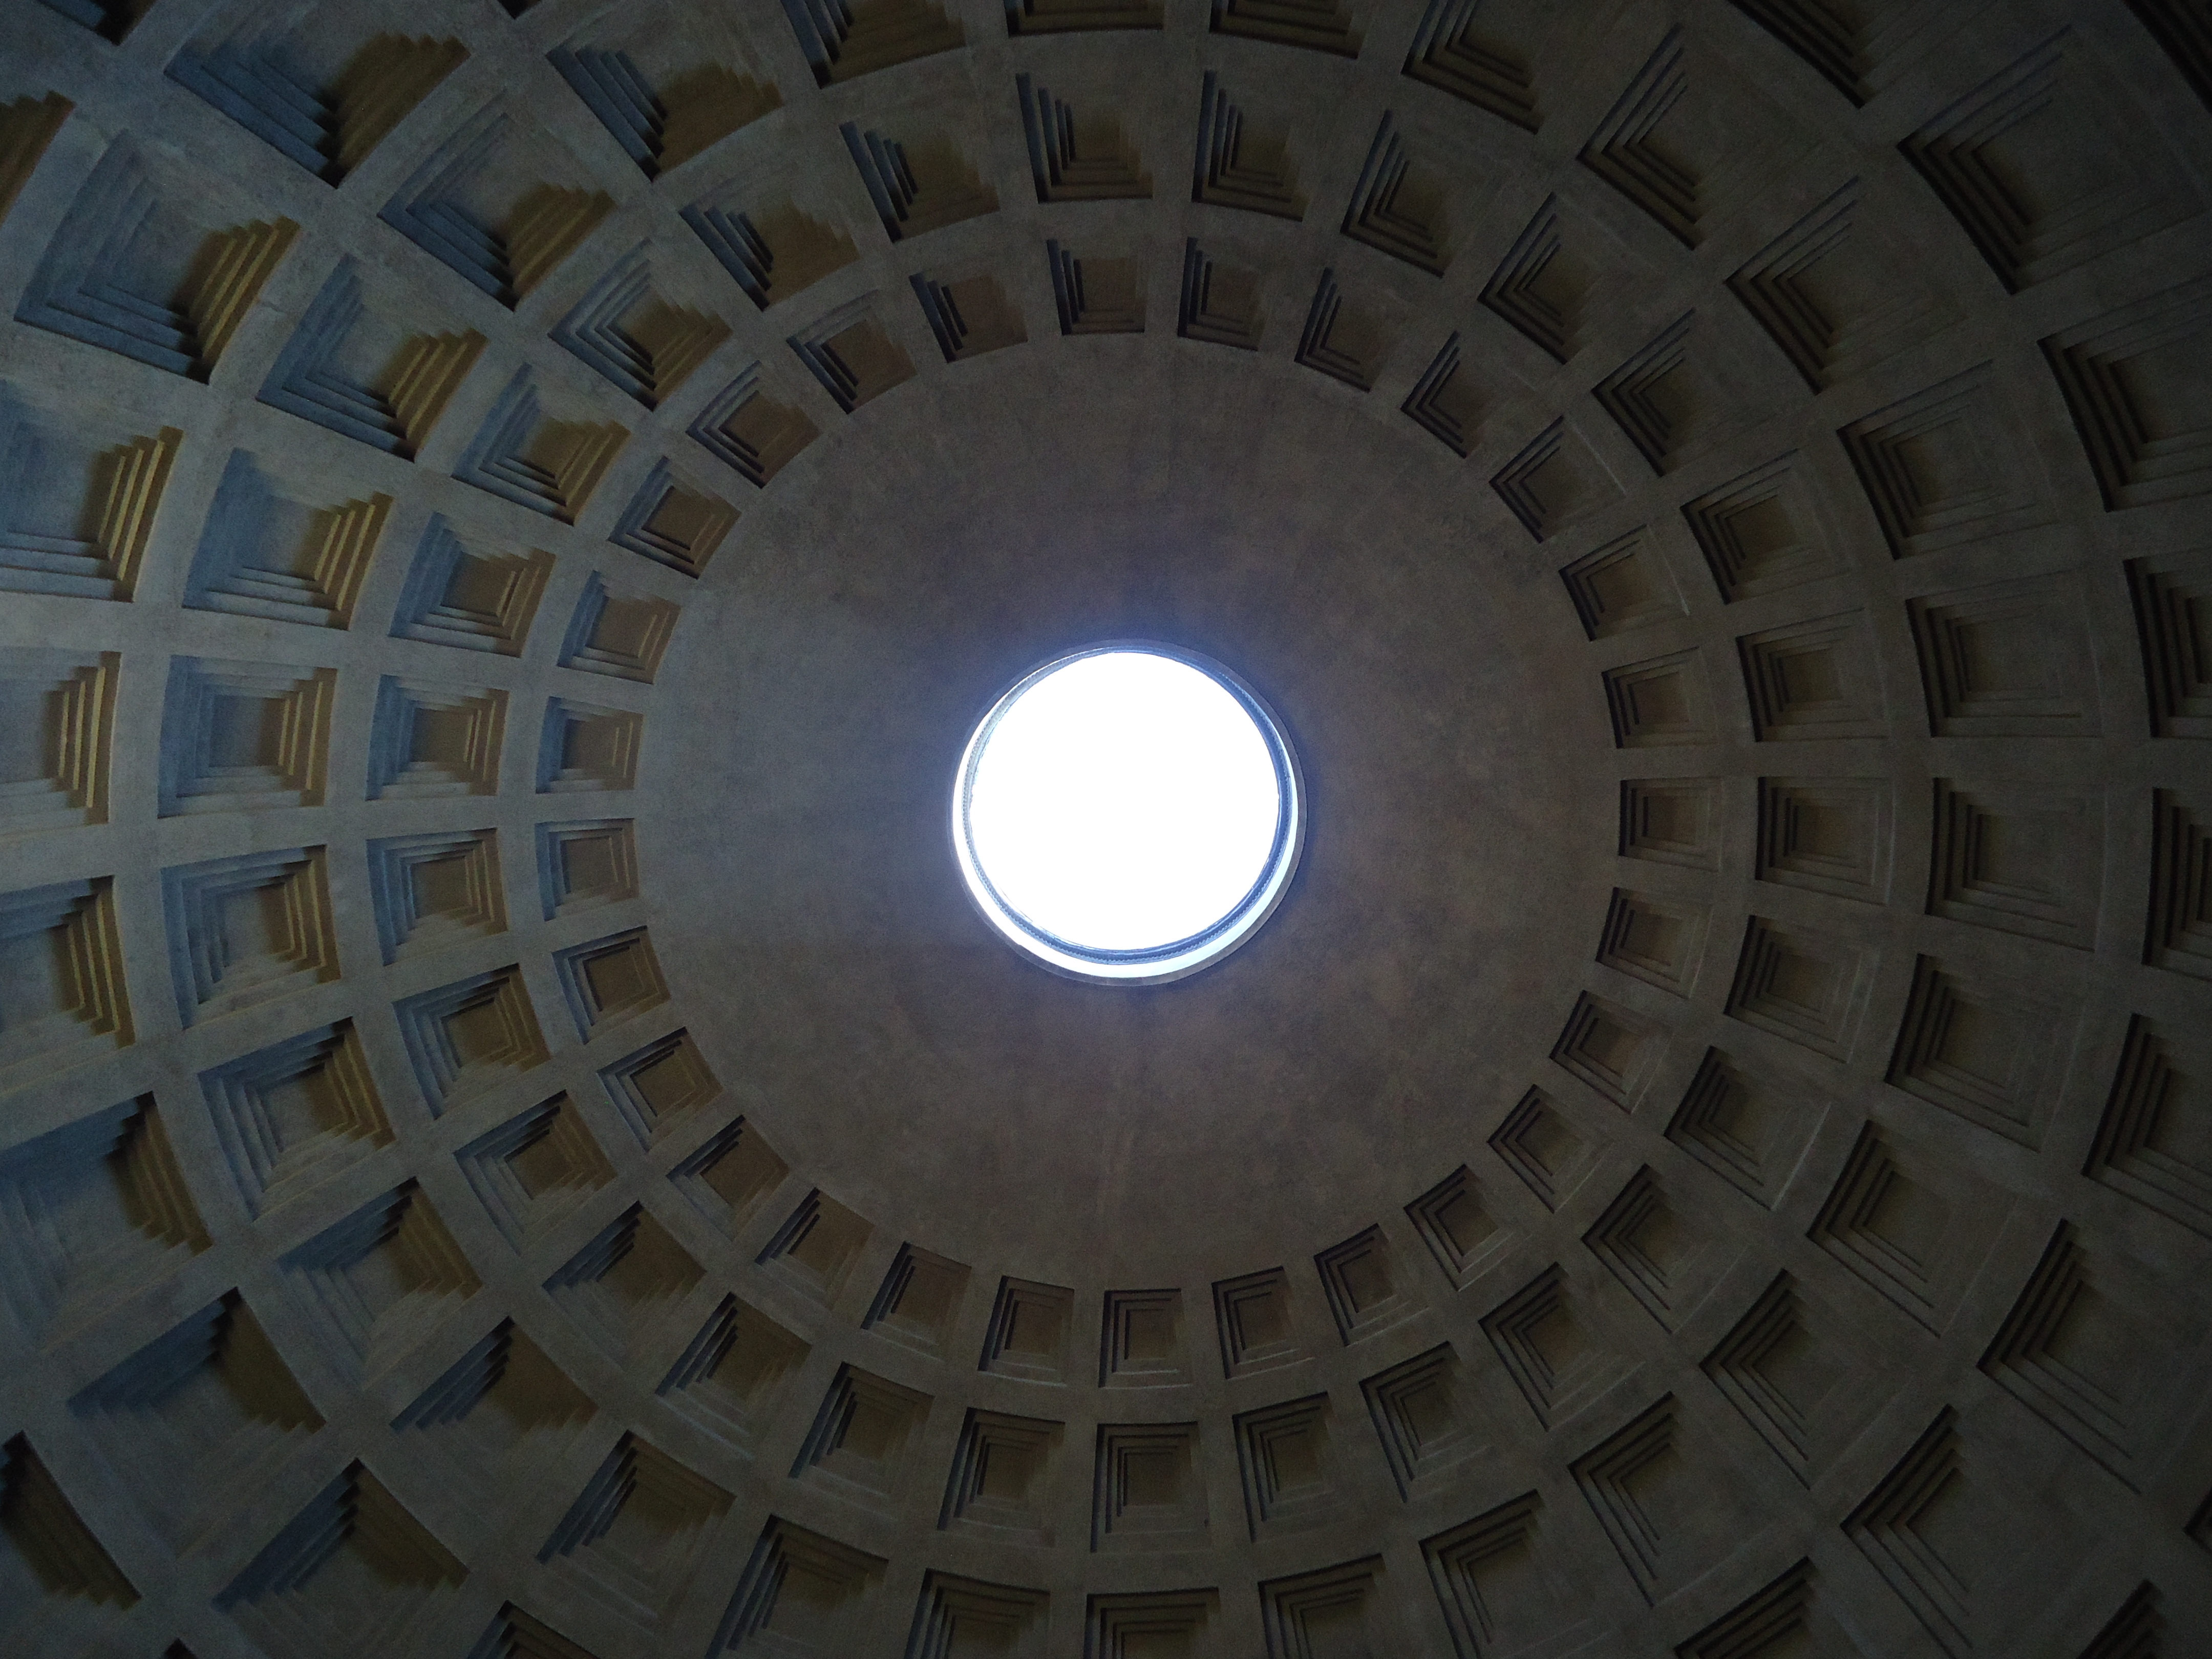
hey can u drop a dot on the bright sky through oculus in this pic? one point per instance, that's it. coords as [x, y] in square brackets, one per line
[1128, 814]
[1123, 801]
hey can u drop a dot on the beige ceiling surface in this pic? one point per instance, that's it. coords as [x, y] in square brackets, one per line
[511, 1139]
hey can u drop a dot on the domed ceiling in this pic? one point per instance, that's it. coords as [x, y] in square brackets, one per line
[513, 1139]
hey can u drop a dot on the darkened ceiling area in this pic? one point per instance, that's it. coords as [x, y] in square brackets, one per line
[514, 1142]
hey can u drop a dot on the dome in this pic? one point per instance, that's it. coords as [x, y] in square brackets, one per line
[514, 1139]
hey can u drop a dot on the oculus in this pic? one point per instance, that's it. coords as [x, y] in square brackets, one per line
[1127, 813]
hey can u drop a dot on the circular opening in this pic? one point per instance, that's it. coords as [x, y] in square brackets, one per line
[1129, 812]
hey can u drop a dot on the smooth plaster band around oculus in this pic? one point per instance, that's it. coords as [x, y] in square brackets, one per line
[1176, 959]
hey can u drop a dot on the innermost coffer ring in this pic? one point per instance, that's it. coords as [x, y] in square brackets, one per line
[1128, 813]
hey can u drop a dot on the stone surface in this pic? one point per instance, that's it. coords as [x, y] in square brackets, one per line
[511, 1139]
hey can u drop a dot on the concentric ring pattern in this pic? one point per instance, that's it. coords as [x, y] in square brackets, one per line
[512, 1141]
